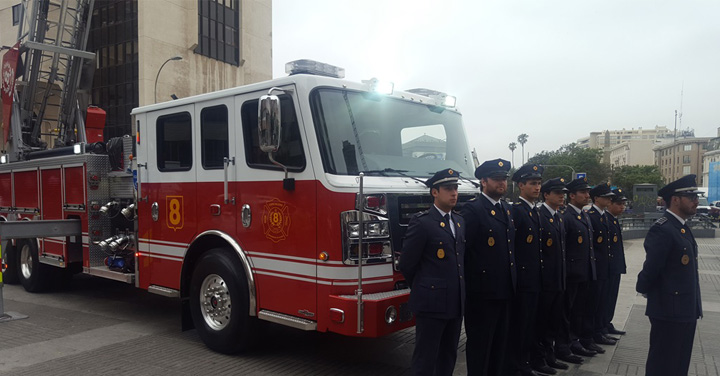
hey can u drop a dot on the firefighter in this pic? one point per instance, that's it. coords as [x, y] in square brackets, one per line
[601, 196]
[669, 280]
[616, 265]
[527, 257]
[580, 263]
[432, 261]
[552, 324]
[490, 269]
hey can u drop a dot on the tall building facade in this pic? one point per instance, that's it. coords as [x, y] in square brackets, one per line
[221, 43]
[608, 138]
[682, 157]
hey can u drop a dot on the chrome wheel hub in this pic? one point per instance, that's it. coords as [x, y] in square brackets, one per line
[215, 303]
[26, 262]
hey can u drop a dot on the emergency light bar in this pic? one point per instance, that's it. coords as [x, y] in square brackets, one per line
[380, 87]
[313, 67]
[445, 100]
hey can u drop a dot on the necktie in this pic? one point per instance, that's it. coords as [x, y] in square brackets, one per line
[446, 219]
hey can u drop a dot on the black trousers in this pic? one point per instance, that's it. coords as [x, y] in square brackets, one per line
[597, 306]
[576, 300]
[671, 345]
[612, 293]
[486, 327]
[551, 325]
[523, 316]
[436, 342]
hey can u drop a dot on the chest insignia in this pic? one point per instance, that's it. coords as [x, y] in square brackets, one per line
[530, 214]
[685, 259]
[492, 212]
[551, 220]
[549, 243]
[579, 239]
[615, 239]
[442, 224]
[508, 212]
[491, 241]
[529, 238]
[599, 240]
[578, 217]
[682, 230]
[458, 223]
[441, 253]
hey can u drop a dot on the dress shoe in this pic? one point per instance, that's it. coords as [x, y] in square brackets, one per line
[546, 370]
[604, 340]
[560, 365]
[592, 347]
[570, 358]
[611, 337]
[579, 349]
[612, 330]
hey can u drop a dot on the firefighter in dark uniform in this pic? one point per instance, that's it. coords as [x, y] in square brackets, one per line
[580, 263]
[601, 195]
[523, 307]
[552, 323]
[490, 270]
[616, 264]
[669, 280]
[432, 261]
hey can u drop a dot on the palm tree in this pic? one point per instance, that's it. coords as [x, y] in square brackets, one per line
[512, 147]
[522, 139]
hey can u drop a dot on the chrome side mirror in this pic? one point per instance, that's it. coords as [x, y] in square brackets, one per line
[269, 126]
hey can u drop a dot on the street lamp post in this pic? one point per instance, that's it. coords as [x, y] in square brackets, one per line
[160, 70]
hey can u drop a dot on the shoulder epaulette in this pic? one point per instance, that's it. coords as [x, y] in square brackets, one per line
[455, 212]
[591, 211]
[661, 221]
[420, 214]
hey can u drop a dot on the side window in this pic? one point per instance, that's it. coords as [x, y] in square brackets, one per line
[290, 153]
[174, 142]
[214, 136]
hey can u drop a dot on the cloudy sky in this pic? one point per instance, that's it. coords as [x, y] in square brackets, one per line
[555, 70]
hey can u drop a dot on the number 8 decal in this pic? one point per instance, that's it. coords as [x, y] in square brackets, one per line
[175, 216]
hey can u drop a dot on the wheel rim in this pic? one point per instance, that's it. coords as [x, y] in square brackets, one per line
[26, 261]
[215, 302]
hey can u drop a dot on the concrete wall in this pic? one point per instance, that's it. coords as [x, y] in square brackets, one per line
[167, 28]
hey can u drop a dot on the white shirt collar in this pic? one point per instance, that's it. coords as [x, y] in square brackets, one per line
[532, 205]
[576, 208]
[551, 210]
[442, 212]
[490, 198]
[682, 221]
[598, 209]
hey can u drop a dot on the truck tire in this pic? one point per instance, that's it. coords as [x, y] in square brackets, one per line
[10, 275]
[219, 303]
[34, 276]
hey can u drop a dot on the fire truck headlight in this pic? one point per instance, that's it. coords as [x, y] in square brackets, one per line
[377, 229]
[391, 314]
[3, 159]
[79, 148]
[376, 203]
[449, 101]
[353, 230]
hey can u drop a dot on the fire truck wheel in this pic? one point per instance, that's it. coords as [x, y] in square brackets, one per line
[33, 275]
[10, 275]
[219, 302]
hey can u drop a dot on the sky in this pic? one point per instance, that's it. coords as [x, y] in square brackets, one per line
[556, 70]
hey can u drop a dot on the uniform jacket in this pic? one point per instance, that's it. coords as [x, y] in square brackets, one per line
[527, 246]
[553, 270]
[616, 264]
[579, 257]
[432, 261]
[669, 275]
[489, 259]
[601, 242]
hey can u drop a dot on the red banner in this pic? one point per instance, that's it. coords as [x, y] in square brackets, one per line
[9, 73]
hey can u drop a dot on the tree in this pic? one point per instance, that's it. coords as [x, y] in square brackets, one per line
[512, 147]
[627, 176]
[581, 159]
[522, 139]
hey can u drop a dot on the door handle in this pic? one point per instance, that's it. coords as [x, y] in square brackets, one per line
[215, 209]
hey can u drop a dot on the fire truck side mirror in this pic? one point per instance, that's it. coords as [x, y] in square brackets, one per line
[269, 127]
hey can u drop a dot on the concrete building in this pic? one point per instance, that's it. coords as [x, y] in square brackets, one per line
[682, 157]
[222, 43]
[608, 138]
[632, 153]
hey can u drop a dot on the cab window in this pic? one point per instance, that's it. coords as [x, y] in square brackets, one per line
[174, 142]
[214, 136]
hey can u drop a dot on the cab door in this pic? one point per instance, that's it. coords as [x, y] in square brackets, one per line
[216, 171]
[278, 226]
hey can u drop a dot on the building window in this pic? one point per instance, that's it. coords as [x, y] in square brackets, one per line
[686, 170]
[687, 147]
[16, 14]
[686, 159]
[174, 142]
[219, 30]
[214, 136]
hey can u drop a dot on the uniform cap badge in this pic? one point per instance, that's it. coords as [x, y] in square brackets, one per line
[534, 168]
[549, 243]
[441, 253]
[491, 241]
[450, 172]
[579, 239]
[685, 259]
[562, 180]
[500, 164]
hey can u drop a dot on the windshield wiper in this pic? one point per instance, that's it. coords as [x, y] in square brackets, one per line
[386, 171]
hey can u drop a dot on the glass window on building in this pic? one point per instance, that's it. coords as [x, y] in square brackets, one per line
[687, 147]
[219, 30]
[16, 14]
[686, 170]
[686, 159]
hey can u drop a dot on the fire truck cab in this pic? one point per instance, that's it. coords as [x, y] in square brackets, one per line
[245, 203]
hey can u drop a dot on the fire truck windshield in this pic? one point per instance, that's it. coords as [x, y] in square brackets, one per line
[360, 132]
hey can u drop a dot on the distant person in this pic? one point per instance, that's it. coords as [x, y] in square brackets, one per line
[490, 271]
[669, 280]
[616, 265]
[432, 261]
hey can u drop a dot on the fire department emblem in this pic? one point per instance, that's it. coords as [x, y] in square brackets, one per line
[175, 216]
[276, 220]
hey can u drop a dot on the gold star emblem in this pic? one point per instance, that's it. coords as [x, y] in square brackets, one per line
[450, 172]
[500, 164]
[562, 180]
[584, 179]
[535, 168]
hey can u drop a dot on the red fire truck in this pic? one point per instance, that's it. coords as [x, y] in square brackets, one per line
[247, 203]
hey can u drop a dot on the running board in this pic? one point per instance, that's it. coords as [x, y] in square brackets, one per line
[104, 272]
[164, 291]
[287, 320]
